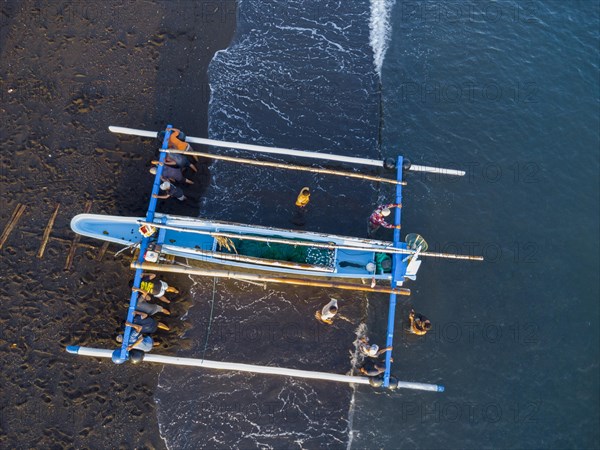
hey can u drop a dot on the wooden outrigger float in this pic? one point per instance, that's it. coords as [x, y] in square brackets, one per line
[317, 262]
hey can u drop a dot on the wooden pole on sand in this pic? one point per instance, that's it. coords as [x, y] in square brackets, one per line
[14, 218]
[69, 261]
[47, 232]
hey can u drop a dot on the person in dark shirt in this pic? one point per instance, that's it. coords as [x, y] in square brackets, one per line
[170, 191]
[179, 160]
[171, 174]
[419, 324]
[372, 369]
[146, 324]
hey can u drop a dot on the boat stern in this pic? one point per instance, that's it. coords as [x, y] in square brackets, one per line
[120, 230]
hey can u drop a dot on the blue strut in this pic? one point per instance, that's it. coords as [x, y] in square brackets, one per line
[397, 272]
[143, 247]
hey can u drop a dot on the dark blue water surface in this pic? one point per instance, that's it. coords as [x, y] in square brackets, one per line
[507, 91]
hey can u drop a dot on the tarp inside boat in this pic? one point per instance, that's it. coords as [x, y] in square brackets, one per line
[282, 252]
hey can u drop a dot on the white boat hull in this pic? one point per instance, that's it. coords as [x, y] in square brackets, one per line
[343, 263]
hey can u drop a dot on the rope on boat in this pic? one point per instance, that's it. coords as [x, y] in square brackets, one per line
[130, 246]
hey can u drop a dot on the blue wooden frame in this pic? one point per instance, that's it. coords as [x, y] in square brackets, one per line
[398, 266]
[398, 271]
[144, 246]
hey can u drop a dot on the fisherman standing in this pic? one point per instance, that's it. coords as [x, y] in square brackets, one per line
[377, 218]
[301, 204]
[156, 287]
[138, 341]
[179, 160]
[150, 308]
[419, 324]
[177, 142]
[145, 324]
[171, 174]
[372, 369]
[328, 312]
[372, 351]
[170, 191]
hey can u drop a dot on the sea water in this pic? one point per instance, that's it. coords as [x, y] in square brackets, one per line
[507, 91]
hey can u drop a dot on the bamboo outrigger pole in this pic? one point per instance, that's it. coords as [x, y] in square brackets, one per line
[327, 245]
[267, 279]
[248, 368]
[254, 162]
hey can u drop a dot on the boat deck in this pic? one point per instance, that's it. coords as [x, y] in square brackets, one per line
[286, 258]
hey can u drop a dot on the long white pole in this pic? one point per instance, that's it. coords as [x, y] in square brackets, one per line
[196, 362]
[441, 171]
[254, 148]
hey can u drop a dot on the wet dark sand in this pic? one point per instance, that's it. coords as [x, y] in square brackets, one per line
[67, 72]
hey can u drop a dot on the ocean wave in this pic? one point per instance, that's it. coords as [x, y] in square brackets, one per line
[380, 30]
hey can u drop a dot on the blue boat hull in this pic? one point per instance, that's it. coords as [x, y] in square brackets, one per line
[185, 243]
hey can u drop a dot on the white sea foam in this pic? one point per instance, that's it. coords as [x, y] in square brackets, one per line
[380, 30]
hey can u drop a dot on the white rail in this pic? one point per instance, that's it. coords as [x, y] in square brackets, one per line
[254, 148]
[196, 362]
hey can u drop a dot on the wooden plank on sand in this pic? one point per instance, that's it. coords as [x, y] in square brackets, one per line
[16, 215]
[47, 232]
[102, 251]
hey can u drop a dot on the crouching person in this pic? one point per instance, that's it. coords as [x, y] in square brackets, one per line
[138, 341]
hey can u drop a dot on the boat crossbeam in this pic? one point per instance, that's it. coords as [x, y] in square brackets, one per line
[249, 368]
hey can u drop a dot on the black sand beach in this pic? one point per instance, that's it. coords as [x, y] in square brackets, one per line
[68, 70]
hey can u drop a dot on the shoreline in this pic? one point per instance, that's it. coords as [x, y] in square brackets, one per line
[68, 71]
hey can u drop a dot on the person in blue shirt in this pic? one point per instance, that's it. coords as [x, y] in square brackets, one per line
[138, 341]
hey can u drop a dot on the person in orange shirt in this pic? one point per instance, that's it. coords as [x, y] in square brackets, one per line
[176, 143]
[179, 144]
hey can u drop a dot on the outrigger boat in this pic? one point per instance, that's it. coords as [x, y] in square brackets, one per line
[279, 255]
[297, 253]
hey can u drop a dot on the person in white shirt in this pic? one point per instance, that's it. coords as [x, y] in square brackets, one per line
[372, 351]
[328, 312]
